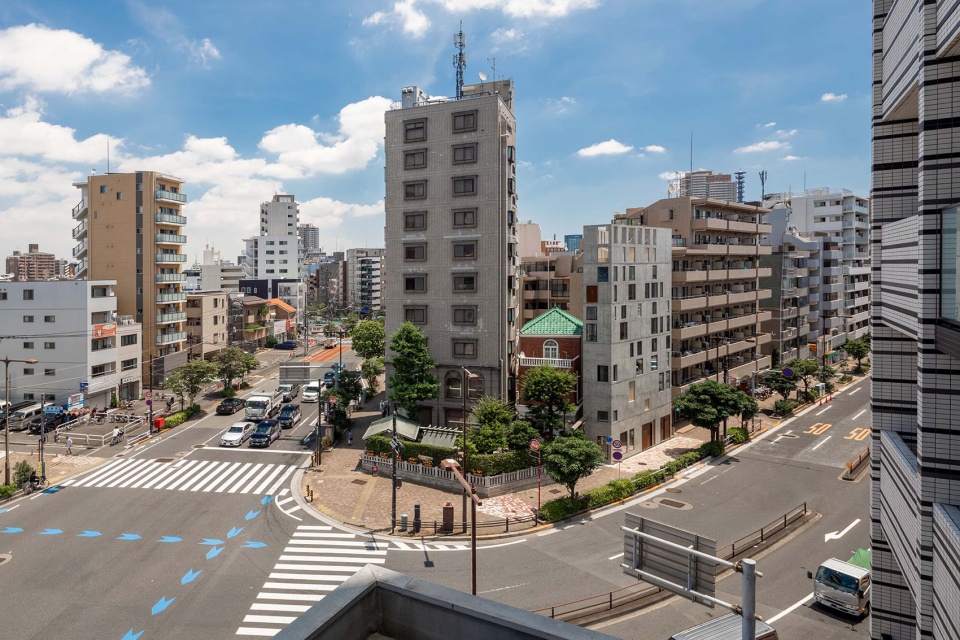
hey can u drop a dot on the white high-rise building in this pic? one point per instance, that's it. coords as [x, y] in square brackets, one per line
[309, 237]
[364, 286]
[275, 253]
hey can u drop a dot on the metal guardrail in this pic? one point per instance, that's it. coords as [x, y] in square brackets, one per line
[750, 540]
[854, 464]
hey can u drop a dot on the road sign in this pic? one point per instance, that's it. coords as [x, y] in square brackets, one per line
[618, 455]
[534, 445]
[148, 395]
[609, 439]
[149, 403]
[617, 444]
[787, 372]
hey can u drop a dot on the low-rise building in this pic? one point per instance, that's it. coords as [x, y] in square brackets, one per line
[284, 320]
[207, 330]
[553, 339]
[250, 322]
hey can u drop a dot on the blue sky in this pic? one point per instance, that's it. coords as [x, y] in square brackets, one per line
[245, 99]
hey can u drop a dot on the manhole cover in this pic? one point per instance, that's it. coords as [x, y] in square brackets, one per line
[358, 482]
[667, 502]
[198, 446]
[164, 460]
[649, 505]
[673, 490]
[4, 558]
[555, 491]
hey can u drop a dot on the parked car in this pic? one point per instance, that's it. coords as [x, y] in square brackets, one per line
[49, 422]
[311, 393]
[237, 434]
[20, 419]
[265, 433]
[329, 378]
[230, 406]
[289, 416]
[15, 406]
[289, 345]
[289, 391]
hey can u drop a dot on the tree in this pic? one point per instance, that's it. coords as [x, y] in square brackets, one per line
[337, 411]
[709, 403]
[568, 460]
[546, 388]
[493, 419]
[369, 339]
[779, 383]
[189, 378]
[350, 322]
[520, 434]
[250, 364]
[826, 373]
[803, 368]
[231, 364]
[413, 380]
[859, 350]
[370, 370]
[349, 383]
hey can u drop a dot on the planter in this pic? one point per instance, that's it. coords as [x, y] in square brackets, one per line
[370, 452]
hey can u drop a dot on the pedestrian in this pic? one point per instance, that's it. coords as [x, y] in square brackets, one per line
[349, 438]
[69, 446]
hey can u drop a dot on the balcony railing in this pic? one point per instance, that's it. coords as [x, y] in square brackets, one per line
[171, 277]
[171, 297]
[166, 218]
[171, 238]
[178, 316]
[559, 363]
[80, 209]
[163, 194]
[174, 336]
[164, 256]
[80, 249]
[80, 229]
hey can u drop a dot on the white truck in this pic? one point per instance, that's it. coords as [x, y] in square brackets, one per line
[844, 586]
[261, 407]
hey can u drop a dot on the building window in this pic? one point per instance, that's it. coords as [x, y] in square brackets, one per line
[415, 159]
[639, 366]
[465, 283]
[624, 330]
[464, 250]
[465, 121]
[603, 274]
[414, 252]
[615, 377]
[415, 190]
[603, 416]
[653, 363]
[415, 130]
[49, 345]
[464, 218]
[49, 372]
[465, 153]
[103, 188]
[28, 372]
[49, 318]
[28, 294]
[415, 221]
[551, 349]
[119, 195]
[3, 295]
[631, 291]
[591, 313]
[631, 391]
[591, 293]
[415, 284]
[416, 315]
[603, 373]
[465, 186]
[28, 345]
[591, 332]
[465, 316]
[28, 318]
[127, 340]
[452, 385]
[464, 348]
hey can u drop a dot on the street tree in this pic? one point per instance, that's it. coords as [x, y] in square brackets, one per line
[369, 339]
[349, 383]
[859, 350]
[779, 383]
[520, 434]
[231, 364]
[545, 389]
[370, 370]
[569, 459]
[709, 403]
[190, 378]
[493, 418]
[250, 363]
[336, 402]
[803, 370]
[350, 323]
[413, 380]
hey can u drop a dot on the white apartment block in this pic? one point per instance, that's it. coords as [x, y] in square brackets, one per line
[309, 237]
[275, 253]
[794, 281]
[626, 335]
[364, 270]
[707, 184]
[451, 255]
[72, 328]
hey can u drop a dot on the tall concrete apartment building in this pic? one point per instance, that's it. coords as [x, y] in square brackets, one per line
[275, 253]
[915, 321]
[626, 335]
[707, 184]
[551, 280]
[451, 256]
[794, 284]
[32, 265]
[309, 237]
[130, 229]
[716, 293]
[364, 279]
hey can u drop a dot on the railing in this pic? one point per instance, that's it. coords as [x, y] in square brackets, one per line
[171, 238]
[559, 363]
[171, 277]
[178, 316]
[175, 336]
[79, 208]
[171, 297]
[854, 464]
[763, 534]
[171, 257]
[163, 194]
[171, 219]
[438, 472]
[80, 228]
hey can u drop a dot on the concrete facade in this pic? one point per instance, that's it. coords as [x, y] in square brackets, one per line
[626, 339]
[552, 280]
[450, 235]
[793, 283]
[207, 330]
[275, 253]
[364, 279]
[32, 265]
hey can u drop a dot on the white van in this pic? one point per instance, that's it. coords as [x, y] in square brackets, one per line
[20, 419]
[311, 393]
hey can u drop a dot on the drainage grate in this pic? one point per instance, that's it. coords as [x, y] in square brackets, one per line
[361, 482]
[673, 490]
[555, 491]
[667, 502]
[164, 460]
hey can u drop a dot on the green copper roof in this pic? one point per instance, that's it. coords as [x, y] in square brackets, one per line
[555, 322]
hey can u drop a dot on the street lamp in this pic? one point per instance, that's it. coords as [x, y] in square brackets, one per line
[6, 413]
[453, 467]
[393, 471]
[465, 389]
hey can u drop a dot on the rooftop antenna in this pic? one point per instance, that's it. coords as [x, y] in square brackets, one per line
[741, 178]
[493, 64]
[763, 185]
[108, 155]
[691, 155]
[459, 58]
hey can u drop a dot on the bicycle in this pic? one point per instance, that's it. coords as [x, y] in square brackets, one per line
[30, 486]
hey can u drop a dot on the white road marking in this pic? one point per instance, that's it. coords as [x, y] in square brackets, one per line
[821, 443]
[859, 414]
[619, 555]
[254, 631]
[513, 586]
[269, 606]
[836, 535]
[708, 480]
[270, 619]
[824, 411]
[790, 609]
[854, 391]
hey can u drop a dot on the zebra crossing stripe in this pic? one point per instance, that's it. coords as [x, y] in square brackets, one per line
[213, 477]
[310, 576]
[161, 477]
[189, 464]
[256, 479]
[234, 488]
[308, 527]
[231, 477]
[95, 474]
[270, 619]
[185, 477]
[254, 631]
[283, 478]
[269, 606]
[158, 469]
[266, 482]
[319, 560]
[118, 472]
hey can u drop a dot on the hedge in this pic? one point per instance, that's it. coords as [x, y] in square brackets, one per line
[739, 435]
[7, 490]
[490, 464]
[179, 417]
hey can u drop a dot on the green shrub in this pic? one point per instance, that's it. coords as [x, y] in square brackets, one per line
[7, 490]
[611, 492]
[270, 342]
[739, 435]
[179, 417]
[563, 507]
[646, 479]
[21, 473]
[492, 464]
[809, 396]
[783, 407]
[712, 449]
[228, 392]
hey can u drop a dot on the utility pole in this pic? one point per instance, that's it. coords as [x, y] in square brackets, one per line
[150, 399]
[395, 447]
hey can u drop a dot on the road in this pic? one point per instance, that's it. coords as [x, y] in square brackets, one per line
[801, 461]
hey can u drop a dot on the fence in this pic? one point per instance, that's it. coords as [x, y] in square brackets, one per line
[625, 595]
[504, 524]
[854, 464]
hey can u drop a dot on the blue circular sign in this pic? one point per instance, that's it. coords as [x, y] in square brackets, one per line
[618, 455]
[787, 372]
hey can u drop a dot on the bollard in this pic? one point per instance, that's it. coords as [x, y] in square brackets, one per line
[309, 499]
[403, 522]
[416, 518]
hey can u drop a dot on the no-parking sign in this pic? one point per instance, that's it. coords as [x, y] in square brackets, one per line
[618, 455]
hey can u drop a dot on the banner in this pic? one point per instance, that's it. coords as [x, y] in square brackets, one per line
[104, 330]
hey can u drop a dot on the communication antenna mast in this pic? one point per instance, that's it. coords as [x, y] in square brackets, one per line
[459, 58]
[741, 178]
[763, 183]
[493, 64]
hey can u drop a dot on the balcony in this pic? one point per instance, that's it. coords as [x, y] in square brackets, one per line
[80, 249]
[81, 269]
[688, 358]
[689, 330]
[708, 224]
[689, 276]
[171, 277]
[166, 318]
[789, 312]
[788, 334]
[80, 210]
[758, 363]
[101, 381]
[166, 257]
[559, 363]
[858, 318]
[166, 218]
[79, 230]
[163, 298]
[171, 238]
[170, 338]
[742, 321]
[170, 196]
[689, 303]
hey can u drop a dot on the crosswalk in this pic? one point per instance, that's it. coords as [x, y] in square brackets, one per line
[316, 560]
[188, 475]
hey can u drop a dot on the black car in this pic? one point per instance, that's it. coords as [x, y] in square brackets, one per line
[329, 378]
[266, 432]
[289, 416]
[230, 406]
[289, 345]
[51, 422]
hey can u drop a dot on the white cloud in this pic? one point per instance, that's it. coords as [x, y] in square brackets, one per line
[833, 97]
[411, 19]
[768, 124]
[376, 18]
[167, 27]
[506, 35]
[327, 212]
[560, 105]
[766, 145]
[792, 158]
[205, 51]
[416, 23]
[609, 148]
[669, 175]
[37, 58]
[654, 148]
[24, 134]
[783, 133]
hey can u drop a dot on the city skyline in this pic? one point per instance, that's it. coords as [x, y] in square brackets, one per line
[172, 89]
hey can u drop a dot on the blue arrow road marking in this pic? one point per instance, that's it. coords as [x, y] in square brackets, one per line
[51, 490]
[169, 539]
[250, 515]
[4, 511]
[266, 499]
[211, 541]
[11, 530]
[190, 576]
[234, 532]
[129, 536]
[130, 635]
[51, 532]
[254, 545]
[214, 552]
[88, 534]
[162, 604]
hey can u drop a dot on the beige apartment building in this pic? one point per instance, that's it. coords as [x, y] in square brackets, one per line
[207, 329]
[130, 229]
[32, 265]
[716, 292]
[551, 280]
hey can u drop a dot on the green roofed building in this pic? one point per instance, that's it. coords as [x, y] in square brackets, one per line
[552, 339]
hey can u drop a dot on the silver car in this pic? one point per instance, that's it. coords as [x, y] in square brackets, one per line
[237, 434]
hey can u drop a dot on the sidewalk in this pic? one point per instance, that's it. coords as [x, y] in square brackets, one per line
[59, 467]
[346, 494]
